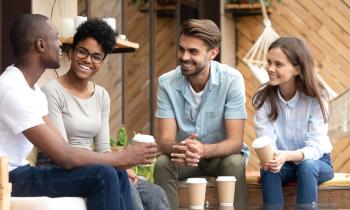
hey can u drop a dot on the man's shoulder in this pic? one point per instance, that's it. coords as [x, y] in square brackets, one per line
[169, 76]
[226, 69]
[11, 80]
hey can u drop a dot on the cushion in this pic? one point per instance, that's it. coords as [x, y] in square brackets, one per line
[46, 203]
[339, 180]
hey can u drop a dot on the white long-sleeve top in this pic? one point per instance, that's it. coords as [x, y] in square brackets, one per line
[299, 126]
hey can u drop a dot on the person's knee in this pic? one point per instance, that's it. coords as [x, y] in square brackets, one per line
[107, 172]
[235, 163]
[163, 160]
[267, 173]
[307, 167]
[158, 191]
[163, 163]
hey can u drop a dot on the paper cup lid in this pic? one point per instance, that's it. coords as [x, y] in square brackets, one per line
[196, 180]
[225, 178]
[143, 138]
[261, 142]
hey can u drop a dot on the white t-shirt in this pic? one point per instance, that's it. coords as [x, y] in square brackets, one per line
[196, 99]
[21, 107]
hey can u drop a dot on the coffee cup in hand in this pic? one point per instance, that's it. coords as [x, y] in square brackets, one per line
[196, 191]
[143, 138]
[226, 190]
[263, 149]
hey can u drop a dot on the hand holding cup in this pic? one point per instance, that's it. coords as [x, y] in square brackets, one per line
[263, 149]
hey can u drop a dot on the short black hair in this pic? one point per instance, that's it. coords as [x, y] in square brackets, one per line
[99, 30]
[25, 30]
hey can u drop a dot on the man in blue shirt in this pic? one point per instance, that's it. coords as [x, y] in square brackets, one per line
[201, 114]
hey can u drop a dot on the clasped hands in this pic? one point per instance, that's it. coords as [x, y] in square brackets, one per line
[188, 152]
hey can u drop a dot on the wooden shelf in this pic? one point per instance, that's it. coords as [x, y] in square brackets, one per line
[121, 46]
[244, 9]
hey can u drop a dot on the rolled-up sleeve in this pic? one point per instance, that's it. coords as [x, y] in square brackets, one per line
[164, 106]
[235, 104]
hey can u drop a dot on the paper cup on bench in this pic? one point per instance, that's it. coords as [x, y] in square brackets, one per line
[263, 149]
[196, 191]
[5, 196]
[226, 190]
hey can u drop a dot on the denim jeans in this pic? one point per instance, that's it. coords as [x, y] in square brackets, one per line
[103, 186]
[148, 196]
[308, 174]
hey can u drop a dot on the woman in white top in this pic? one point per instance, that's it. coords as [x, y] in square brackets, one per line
[292, 110]
[79, 108]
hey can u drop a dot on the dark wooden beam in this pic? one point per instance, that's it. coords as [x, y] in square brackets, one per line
[10, 10]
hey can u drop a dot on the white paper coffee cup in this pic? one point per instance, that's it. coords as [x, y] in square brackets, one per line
[226, 190]
[143, 138]
[196, 192]
[263, 148]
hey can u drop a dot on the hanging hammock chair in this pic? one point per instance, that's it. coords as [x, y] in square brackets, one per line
[255, 59]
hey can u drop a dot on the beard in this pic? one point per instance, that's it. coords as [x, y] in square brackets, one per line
[194, 70]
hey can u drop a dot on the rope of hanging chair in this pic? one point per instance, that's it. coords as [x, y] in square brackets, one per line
[258, 52]
[263, 10]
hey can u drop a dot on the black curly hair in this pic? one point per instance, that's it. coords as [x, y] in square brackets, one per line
[99, 30]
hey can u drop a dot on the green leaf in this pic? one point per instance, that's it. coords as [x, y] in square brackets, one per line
[122, 137]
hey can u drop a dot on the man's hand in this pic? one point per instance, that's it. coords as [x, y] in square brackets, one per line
[195, 151]
[132, 176]
[188, 152]
[179, 154]
[140, 153]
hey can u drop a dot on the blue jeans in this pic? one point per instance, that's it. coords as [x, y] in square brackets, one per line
[148, 196]
[308, 174]
[104, 187]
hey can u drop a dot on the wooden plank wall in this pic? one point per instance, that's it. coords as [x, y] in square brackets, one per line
[324, 25]
[137, 97]
[136, 101]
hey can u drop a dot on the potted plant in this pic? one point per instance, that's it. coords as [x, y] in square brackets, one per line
[120, 143]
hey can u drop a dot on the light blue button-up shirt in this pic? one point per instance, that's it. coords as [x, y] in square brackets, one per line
[223, 98]
[299, 126]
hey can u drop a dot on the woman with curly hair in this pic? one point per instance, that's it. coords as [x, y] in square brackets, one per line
[292, 110]
[80, 109]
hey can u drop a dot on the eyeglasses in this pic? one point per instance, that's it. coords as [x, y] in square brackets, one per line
[83, 53]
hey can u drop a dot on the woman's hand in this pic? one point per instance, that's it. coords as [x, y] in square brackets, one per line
[275, 165]
[132, 176]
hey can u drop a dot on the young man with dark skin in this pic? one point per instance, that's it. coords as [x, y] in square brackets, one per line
[201, 114]
[99, 177]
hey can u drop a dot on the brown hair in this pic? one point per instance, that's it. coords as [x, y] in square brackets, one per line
[300, 56]
[203, 29]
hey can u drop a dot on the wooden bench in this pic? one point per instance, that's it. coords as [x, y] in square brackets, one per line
[333, 194]
[32, 203]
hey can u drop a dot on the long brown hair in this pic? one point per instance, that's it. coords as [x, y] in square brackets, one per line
[299, 55]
